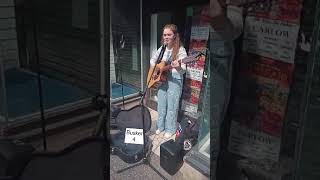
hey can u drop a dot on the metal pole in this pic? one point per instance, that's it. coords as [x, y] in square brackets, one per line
[102, 49]
[141, 48]
[43, 121]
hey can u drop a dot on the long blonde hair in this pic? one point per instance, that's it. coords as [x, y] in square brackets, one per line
[177, 42]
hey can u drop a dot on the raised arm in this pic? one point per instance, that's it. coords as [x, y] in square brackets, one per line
[226, 21]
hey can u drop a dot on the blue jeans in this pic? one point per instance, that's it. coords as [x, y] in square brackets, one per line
[169, 95]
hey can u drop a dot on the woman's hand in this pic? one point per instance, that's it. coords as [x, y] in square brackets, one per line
[175, 64]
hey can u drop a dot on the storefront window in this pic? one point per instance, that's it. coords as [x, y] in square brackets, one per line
[63, 46]
[125, 48]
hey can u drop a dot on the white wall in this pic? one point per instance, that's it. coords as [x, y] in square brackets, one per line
[8, 35]
[112, 65]
[154, 34]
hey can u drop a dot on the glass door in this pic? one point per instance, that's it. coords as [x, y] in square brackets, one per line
[307, 150]
[125, 49]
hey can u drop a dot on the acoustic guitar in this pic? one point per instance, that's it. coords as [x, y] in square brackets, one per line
[159, 75]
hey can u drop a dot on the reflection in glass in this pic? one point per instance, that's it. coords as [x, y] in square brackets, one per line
[125, 56]
[66, 46]
[204, 134]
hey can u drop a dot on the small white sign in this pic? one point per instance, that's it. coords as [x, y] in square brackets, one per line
[253, 144]
[194, 74]
[189, 107]
[133, 136]
[200, 32]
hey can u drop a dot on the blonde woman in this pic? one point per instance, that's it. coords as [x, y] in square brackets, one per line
[169, 93]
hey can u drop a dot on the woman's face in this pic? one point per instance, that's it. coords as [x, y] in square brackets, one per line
[168, 37]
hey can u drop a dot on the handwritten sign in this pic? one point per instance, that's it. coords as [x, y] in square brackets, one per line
[133, 136]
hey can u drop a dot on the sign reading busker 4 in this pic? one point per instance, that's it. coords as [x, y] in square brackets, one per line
[133, 136]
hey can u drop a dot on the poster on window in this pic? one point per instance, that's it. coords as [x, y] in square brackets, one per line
[253, 144]
[194, 73]
[270, 38]
[260, 103]
[200, 33]
[284, 10]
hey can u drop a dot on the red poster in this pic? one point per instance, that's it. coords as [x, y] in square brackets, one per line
[263, 93]
[284, 10]
[194, 75]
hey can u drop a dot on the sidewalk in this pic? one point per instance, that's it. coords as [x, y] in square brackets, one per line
[144, 171]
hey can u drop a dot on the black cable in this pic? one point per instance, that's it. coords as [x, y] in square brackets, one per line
[43, 122]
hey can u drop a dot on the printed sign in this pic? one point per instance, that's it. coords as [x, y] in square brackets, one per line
[270, 38]
[260, 106]
[195, 71]
[133, 136]
[284, 10]
[200, 33]
[253, 144]
[189, 107]
[195, 74]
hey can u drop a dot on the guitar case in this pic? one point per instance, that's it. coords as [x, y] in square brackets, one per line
[131, 118]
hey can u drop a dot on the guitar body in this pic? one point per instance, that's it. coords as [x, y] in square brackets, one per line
[159, 75]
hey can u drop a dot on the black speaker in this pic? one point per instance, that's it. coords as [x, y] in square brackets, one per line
[171, 158]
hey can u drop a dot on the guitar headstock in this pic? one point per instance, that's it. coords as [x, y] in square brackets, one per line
[192, 58]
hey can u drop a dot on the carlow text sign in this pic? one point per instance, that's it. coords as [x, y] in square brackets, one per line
[270, 38]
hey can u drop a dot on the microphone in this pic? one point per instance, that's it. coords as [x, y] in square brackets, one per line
[163, 49]
[122, 41]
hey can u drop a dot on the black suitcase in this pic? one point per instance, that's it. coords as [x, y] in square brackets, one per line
[131, 118]
[171, 156]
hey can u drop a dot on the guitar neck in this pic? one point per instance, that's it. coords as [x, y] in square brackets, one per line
[168, 67]
[184, 60]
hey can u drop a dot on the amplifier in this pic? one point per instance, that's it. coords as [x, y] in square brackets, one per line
[171, 156]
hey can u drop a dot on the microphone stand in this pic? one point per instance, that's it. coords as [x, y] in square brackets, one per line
[120, 41]
[146, 158]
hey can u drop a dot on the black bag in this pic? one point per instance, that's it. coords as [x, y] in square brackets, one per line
[189, 135]
[171, 156]
[131, 118]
